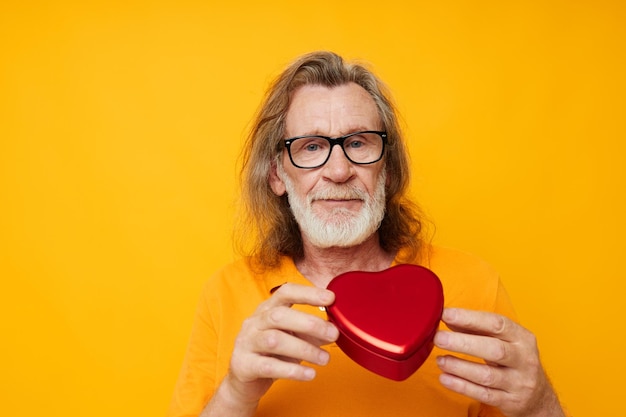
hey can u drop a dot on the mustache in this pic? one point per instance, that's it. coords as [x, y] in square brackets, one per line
[338, 192]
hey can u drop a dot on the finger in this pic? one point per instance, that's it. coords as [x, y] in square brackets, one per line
[315, 341]
[289, 294]
[478, 373]
[270, 367]
[481, 323]
[280, 344]
[488, 348]
[485, 395]
[306, 325]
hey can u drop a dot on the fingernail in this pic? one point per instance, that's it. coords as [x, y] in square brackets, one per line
[446, 380]
[332, 333]
[327, 296]
[309, 374]
[441, 361]
[442, 339]
[449, 314]
[324, 357]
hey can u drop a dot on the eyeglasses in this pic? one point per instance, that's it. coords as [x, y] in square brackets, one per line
[361, 148]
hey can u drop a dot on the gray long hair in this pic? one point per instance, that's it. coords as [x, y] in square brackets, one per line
[267, 229]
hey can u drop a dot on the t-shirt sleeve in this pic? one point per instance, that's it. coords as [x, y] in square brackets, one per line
[502, 303]
[196, 382]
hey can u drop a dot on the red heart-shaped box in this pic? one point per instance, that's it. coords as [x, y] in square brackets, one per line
[387, 320]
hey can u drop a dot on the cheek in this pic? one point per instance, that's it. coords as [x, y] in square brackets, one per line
[371, 181]
[303, 189]
[302, 181]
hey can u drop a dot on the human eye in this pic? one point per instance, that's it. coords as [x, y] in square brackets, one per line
[311, 145]
[356, 144]
[358, 141]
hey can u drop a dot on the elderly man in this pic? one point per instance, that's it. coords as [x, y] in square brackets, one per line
[261, 345]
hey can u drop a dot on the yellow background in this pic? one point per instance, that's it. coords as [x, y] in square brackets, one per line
[121, 122]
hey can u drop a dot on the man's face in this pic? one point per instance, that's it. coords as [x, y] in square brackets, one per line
[339, 203]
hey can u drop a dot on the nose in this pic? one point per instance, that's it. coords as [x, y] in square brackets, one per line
[338, 168]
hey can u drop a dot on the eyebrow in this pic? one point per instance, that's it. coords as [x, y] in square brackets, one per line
[317, 132]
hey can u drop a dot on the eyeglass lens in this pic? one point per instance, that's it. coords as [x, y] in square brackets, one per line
[313, 151]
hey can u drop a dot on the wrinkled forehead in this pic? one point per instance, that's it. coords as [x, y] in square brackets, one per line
[331, 111]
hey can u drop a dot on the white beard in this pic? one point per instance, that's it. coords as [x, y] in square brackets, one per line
[339, 227]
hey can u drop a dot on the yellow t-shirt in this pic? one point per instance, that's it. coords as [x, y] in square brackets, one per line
[341, 388]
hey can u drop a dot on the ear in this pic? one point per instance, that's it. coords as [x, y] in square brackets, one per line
[276, 184]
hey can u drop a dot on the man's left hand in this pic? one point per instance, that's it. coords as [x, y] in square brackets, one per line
[511, 377]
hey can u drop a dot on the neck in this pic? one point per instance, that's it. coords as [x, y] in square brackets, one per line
[321, 265]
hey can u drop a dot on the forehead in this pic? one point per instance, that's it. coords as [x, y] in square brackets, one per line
[331, 111]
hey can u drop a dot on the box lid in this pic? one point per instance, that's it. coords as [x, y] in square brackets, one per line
[392, 312]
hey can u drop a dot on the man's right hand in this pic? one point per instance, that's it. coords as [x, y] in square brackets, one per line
[272, 343]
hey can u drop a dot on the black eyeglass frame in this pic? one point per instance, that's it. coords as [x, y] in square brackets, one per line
[337, 141]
